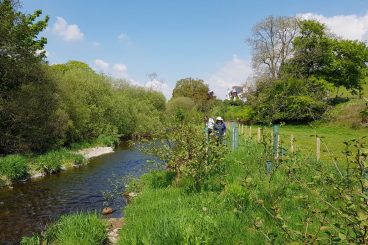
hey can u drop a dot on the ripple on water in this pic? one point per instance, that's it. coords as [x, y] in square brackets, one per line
[30, 206]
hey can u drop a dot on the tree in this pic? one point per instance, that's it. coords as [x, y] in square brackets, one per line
[348, 68]
[21, 51]
[312, 50]
[289, 100]
[194, 89]
[30, 117]
[271, 42]
[316, 53]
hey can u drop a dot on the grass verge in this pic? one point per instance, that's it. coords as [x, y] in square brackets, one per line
[79, 228]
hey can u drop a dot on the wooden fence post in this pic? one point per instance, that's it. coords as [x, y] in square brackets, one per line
[259, 135]
[318, 148]
[242, 129]
[292, 144]
[250, 131]
[278, 146]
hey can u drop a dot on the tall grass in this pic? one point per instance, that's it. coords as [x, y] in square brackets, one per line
[79, 228]
[54, 161]
[13, 167]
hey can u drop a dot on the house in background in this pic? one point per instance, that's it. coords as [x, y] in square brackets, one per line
[238, 93]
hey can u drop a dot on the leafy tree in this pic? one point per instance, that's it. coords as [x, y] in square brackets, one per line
[348, 68]
[340, 62]
[181, 108]
[312, 50]
[194, 89]
[30, 117]
[21, 51]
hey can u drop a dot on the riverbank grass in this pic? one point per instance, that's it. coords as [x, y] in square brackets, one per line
[78, 228]
[291, 203]
[12, 168]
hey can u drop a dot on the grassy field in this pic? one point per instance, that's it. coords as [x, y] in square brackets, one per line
[332, 138]
[300, 202]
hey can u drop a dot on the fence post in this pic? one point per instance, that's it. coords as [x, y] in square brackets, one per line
[276, 129]
[234, 136]
[292, 143]
[259, 135]
[318, 148]
[242, 129]
[250, 131]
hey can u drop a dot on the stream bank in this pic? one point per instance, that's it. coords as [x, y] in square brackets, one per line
[29, 207]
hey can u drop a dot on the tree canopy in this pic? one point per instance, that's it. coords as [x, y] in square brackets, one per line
[194, 89]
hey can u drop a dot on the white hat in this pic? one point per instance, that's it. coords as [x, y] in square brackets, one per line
[219, 119]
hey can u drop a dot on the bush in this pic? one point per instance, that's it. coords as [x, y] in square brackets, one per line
[79, 228]
[14, 167]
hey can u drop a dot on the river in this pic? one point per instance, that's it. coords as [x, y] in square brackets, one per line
[30, 206]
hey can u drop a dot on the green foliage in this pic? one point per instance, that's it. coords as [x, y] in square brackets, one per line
[239, 113]
[29, 116]
[300, 201]
[159, 178]
[187, 151]
[290, 100]
[19, 44]
[32, 240]
[53, 161]
[79, 228]
[348, 114]
[340, 62]
[182, 109]
[196, 90]
[14, 167]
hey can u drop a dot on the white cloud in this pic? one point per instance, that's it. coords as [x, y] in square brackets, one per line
[96, 44]
[234, 72]
[346, 26]
[159, 86]
[102, 65]
[66, 31]
[125, 39]
[120, 71]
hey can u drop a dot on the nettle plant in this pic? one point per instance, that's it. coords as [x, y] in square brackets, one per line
[311, 201]
[185, 148]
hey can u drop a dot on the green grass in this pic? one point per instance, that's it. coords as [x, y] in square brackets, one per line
[332, 138]
[102, 140]
[252, 207]
[13, 167]
[79, 228]
[54, 161]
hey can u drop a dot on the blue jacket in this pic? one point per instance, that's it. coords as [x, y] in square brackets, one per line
[220, 128]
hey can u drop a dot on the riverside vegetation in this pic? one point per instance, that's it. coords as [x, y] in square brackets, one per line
[49, 111]
[206, 194]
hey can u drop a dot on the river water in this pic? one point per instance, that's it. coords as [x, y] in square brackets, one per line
[30, 206]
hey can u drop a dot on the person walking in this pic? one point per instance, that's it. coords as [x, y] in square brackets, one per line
[220, 129]
[210, 124]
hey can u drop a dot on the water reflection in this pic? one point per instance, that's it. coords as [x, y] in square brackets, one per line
[30, 206]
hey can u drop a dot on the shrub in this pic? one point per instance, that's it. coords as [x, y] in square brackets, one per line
[14, 167]
[79, 228]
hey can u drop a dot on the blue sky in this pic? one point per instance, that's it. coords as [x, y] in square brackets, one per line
[175, 38]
